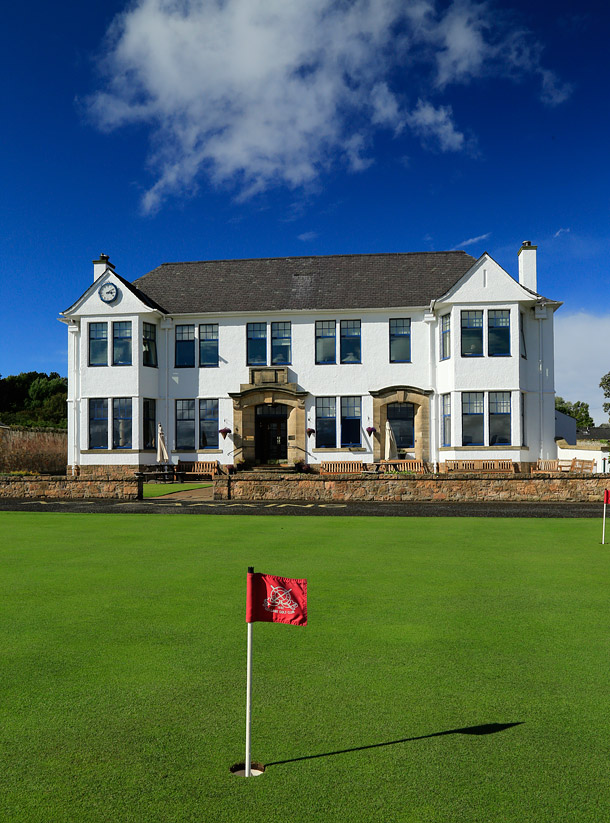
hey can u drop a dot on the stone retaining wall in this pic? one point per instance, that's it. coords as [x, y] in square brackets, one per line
[387, 488]
[69, 488]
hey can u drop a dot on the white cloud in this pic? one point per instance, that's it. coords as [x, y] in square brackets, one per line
[582, 358]
[435, 125]
[307, 236]
[256, 94]
[472, 241]
[559, 232]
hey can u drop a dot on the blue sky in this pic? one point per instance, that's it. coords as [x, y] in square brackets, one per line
[190, 130]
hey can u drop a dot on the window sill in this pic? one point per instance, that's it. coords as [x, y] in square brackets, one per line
[341, 449]
[483, 448]
[110, 451]
[209, 451]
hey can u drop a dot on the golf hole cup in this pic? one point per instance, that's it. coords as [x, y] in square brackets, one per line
[239, 769]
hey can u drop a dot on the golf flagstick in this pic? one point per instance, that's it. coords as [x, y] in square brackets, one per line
[270, 599]
[606, 500]
[248, 690]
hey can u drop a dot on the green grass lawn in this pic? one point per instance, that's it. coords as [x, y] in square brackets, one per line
[160, 489]
[122, 681]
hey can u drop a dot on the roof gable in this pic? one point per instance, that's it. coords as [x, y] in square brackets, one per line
[358, 281]
[486, 281]
[129, 300]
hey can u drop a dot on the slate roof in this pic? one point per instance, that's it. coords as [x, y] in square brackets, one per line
[347, 281]
[594, 433]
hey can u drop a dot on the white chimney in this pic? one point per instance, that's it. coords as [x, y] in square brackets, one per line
[527, 266]
[100, 266]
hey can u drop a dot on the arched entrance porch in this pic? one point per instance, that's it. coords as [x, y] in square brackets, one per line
[408, 411]
[261, 416]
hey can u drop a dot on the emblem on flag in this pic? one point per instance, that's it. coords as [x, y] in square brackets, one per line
[274, 599]
[280, 601]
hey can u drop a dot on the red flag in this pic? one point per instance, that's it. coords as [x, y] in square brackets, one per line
[606, 496]
[276, 600]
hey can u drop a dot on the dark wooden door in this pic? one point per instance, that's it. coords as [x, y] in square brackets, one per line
[271, 442]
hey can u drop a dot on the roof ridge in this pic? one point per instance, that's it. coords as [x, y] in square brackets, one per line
[311, 257]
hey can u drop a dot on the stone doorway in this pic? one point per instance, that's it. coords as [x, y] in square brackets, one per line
[271, 433]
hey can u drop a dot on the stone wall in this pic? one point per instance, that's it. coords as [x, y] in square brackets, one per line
[37, 450]
[101, 472]
[69, 488]
[435, 488]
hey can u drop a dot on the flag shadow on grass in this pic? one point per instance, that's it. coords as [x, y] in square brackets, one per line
[485, 728]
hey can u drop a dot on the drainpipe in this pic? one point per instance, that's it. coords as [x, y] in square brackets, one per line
[74, 457]
[540, 313]
[430, 319]
[166, 323]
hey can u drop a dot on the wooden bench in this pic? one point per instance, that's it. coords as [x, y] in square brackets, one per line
[506, 466]
[582, 466]
[416, 466]
[546, 467]
[198, 468]
[575, 466]
[341, 467]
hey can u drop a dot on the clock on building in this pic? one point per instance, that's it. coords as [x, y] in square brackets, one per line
[108, 292]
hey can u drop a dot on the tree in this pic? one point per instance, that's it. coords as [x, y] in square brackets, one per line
[605, 385]
[33, 399]
[579, 411]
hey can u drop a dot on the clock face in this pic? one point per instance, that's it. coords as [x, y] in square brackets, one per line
[108, 292]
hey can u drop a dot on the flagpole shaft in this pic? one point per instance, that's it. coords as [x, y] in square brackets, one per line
[248, 699]
[604, 527]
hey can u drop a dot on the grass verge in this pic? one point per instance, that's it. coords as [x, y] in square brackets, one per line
[122, 694]
[161, 489]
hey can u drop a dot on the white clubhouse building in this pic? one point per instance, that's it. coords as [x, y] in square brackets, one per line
[307, 358]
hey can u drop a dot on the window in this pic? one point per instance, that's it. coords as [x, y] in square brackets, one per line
[149, 419]
[98, 344]
[121, 343]
[208, 424]
[121, 423]
[257, 344]
[149, 344]
[281, 354]
[208, 345]
[325, 341]
[326, 428]
[350, 421]
[472, 334]
[522, 349]
[498, 333]
[350, 341]
[400, 341]
[401, 417]
[446, 419]
[185, 425]
[445, 336]
[98, 423]
[499, 418]
[185, 346]
[523, 432]
[472, 419]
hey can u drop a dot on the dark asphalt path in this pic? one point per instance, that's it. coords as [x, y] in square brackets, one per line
[437, 509]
